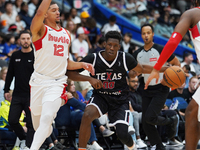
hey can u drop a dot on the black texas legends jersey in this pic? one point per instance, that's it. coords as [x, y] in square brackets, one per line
[112, 74]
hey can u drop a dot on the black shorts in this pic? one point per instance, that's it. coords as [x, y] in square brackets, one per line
[117, 112]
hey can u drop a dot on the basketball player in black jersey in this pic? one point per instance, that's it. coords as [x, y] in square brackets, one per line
[154, 97]
[111, 68]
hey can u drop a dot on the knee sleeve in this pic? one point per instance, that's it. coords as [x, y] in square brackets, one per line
[123, 135]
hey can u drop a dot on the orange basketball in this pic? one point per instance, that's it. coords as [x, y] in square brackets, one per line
[174, 77]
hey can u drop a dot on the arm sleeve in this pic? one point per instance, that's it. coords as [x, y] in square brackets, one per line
[130, 61]
[160, 49]
[10, 74]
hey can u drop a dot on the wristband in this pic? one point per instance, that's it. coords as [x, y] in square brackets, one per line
[168, 49]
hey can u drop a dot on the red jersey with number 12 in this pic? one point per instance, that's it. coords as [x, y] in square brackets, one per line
[51, 52]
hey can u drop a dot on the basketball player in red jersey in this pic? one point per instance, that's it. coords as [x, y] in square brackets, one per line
[51, 62]
[190, 20]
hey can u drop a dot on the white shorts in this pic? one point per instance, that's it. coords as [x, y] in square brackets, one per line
[44, 89]
[196, 97]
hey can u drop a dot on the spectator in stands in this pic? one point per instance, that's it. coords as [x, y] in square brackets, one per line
[12, 30]
[84, 87]
[132, 48]
[4, 49]
[21, 67]
[21, 25]
[95, 32]
[2, 6]
[186, 69]
[136, 107]
[24, 15]
[11, 45]
[140, 19]
[164, 28]
[9, 16]
[79, 45]
[126, 42]
[197, 67]
[17, 5]
[142, 5]
[187, 60]
[32, 7]
[73, 16]
[131, 8]
[4, 114]
[188, 92]
[111, 26]
[3, 73]
[101, 44]
[181, 5]
[84, 16]
[71, 27]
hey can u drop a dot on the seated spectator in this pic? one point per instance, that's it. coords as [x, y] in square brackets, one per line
[73, 16]
[187, 60]
[101, 44]
[11, 45]
[24, 15]
[131, 8]
[95, 32]
[84, 16]
[186, 69]
[4, 112]
[111, 26]
[32, 7]
[4, 49]
[9, 16]
[3, 73]
[139, 19]
[68, 117]
[79, 45]
[21, 25]
[17, 5]
[141, 5]
[136, 108]
[126, 42]
[71, 27]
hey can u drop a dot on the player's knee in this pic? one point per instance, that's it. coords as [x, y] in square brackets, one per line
[47, 118]
[90, 114]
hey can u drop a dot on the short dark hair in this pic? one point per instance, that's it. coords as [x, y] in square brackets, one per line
[113, 35]
[24, 32]
[52, 3]
[101, 40]
[112, 18]
[186, 54]
[128, 34]
[187, 67]
[8, 2]
[146, 25]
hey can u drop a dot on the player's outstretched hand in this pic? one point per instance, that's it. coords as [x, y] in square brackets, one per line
[89, 68]
[96, 83]
[154, 74]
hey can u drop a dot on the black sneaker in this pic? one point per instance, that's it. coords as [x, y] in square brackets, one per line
[171, 128]
[160, 147]
[59, 146]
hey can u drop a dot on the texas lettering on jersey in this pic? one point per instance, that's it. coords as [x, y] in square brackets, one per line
[108, 79]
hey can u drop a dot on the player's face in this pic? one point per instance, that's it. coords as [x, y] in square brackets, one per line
[133, 83]
[25, 40]
[53, 13]
[112, 46]
[147, 34]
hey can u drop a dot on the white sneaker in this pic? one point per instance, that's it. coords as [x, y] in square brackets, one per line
[22, 144]
[183, 142]
[140, 143]
[25, 148]
[131, 130]
[95, 146]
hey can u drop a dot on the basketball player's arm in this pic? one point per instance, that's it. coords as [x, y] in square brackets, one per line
[79, 65]
[75, 76]
[180, 30]
[37, 25]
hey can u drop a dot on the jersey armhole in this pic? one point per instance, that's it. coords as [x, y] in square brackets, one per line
[94, 59]
[124, 61]
[38, 43]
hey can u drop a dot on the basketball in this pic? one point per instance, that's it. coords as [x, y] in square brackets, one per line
[174, 77]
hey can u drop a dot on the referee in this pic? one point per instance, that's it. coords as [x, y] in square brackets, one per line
[153, 99]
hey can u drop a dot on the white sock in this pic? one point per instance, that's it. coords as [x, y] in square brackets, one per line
[23, 144]
[17, 142]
